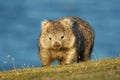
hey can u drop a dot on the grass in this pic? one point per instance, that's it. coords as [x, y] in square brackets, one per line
[105, 69]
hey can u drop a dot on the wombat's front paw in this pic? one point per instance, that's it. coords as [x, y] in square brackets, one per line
[43, 65]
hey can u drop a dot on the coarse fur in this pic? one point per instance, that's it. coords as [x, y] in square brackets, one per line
[67, 40]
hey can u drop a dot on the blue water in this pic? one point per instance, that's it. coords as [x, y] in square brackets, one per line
[20, 27]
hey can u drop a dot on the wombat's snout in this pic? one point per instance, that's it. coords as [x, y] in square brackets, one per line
[56, 45]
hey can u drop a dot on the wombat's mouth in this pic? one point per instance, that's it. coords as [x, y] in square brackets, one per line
[57, 48]
[60, 48]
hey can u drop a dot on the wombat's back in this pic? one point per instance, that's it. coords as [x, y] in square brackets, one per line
[84, 37]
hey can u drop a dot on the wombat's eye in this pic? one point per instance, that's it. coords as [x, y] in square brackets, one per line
[50, 38]
[62, 37]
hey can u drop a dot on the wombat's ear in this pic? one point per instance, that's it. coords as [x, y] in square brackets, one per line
[67, 22]
[45, 24]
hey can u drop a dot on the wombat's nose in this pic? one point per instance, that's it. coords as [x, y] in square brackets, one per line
[56, 45]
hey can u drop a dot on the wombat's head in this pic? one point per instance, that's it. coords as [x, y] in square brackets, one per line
[57, 34]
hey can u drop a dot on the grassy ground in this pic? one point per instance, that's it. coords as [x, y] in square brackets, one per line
[105, 69]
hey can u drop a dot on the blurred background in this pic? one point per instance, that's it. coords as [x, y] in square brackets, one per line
[20, 27]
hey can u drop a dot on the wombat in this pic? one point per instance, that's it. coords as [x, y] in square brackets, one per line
[68, 40]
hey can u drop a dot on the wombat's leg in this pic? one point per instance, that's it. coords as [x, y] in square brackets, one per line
[70, 56]
[85, 56]
[45, 57]
[61, 61]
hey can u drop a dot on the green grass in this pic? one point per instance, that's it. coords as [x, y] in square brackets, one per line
[105, 69]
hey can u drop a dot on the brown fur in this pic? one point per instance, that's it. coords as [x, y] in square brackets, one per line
[67, 40]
